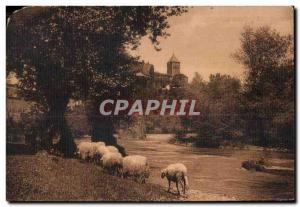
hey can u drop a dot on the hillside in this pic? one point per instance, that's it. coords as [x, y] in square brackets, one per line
[44, 177]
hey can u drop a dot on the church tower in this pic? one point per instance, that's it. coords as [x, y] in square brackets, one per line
[173, 66]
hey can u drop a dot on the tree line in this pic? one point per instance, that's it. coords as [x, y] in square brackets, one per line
[258, 110]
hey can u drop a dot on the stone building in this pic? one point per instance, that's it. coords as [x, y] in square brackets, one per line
[173, 78]
[173, 66]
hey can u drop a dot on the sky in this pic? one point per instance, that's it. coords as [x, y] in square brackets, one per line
[204, 38]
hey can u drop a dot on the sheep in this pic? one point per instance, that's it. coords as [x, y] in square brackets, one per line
[98, 143]
[112, 162]
[136, 166]
[112, 149]
[177, 173]
[88, 150]
[100, 151]
[85, 150]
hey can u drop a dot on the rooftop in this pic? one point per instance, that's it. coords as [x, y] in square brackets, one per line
[174, 59]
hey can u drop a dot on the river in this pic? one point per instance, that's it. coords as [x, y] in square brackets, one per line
[216, 174]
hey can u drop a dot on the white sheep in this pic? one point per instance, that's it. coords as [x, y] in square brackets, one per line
[85, 150]
[136, 166]
[99, 143]
[176, 173]
[88, 150]
[112, 149]
[112, 162]
[100, 151]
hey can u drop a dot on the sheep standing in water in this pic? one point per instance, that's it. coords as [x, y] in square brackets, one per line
[176, 173]
[136, 166]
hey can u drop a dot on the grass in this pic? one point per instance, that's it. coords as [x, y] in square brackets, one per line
[43, 177]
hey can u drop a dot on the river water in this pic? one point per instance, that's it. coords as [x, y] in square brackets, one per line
[216, 174]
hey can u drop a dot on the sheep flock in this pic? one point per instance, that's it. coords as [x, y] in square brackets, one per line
[131, 166]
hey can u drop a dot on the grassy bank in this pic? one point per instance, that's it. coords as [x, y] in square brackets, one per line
[44, 177]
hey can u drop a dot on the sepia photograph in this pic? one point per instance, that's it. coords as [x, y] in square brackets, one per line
[150, 104]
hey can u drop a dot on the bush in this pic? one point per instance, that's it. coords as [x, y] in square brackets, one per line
[253, 165]
[206, 134]
[26, 131]
[211, 142]
[232, 143]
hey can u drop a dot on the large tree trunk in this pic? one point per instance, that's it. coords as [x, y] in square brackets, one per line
[103, 127]
[103, 130]
[56, 124]
[48, 132]
[66, 144]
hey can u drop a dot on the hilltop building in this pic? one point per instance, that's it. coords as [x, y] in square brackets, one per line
[173, 78]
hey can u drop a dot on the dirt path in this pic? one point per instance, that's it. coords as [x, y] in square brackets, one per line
[215, 174]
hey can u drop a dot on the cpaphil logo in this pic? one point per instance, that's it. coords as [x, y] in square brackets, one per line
[183, 107]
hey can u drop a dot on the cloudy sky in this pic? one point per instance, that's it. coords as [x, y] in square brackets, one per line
[204, 38]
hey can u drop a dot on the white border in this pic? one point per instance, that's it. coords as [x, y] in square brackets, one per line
[5, 3]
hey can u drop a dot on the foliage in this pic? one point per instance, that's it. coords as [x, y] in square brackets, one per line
[268, 96]
[78, 52]
[261, 111]
[253, 165]
[27, 128]
[220, 110]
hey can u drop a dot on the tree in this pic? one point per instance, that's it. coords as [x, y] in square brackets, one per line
[220, 110]
[79, 52]
[269, 86]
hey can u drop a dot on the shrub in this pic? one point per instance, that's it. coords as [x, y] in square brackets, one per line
[253, 165]
[211, 142]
